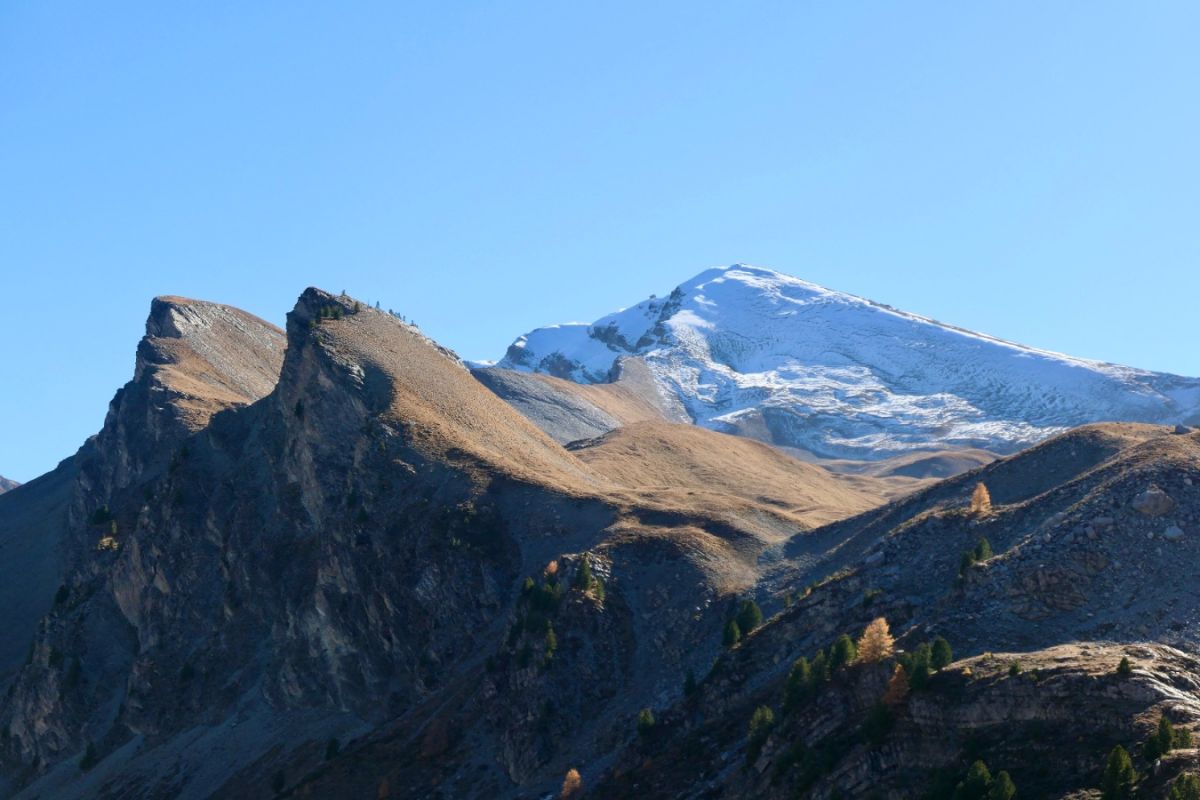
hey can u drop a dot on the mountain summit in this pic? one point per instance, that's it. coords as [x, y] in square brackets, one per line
[764, 354]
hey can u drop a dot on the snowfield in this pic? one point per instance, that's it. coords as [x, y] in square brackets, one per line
[757, 352]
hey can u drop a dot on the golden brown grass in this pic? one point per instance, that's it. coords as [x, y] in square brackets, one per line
[702, 468]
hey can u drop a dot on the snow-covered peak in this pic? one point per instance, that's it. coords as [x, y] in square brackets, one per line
[759, 352]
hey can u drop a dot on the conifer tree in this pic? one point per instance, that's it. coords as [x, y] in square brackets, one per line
[583, 575]
[761, 723]
[820, 668]
[876, 643]
[983, 549]
[897, 688]
[645, 721]
[975, 785]
[1124, 668]
[1119, 776]
[981, 500]
[843, 654]
[1185, 787]
[733, 634]
[1002, 787]
[572, 785]
[799, 684]
[749, 616]
[941, 654]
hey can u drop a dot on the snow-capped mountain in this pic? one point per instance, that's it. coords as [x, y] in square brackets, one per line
[764, 354]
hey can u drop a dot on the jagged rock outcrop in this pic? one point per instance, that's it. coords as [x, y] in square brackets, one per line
[7, 485]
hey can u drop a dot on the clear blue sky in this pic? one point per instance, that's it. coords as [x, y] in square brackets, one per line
[1024, 169]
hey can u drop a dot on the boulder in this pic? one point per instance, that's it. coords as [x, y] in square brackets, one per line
[1181, 429]
[1153, 502]
[1173, 533]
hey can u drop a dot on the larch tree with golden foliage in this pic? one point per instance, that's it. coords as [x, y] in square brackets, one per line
[981, 500]
[897, 688]
[876, 643]
[572, 785]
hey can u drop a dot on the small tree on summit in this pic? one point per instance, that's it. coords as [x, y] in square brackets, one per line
[981, 500]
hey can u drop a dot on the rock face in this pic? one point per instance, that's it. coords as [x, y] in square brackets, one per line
[7, 485]
[766, 355]
[972, 709]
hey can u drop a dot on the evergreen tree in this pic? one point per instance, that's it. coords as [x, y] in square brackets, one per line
[876, 643]
[1161, 741]
[799, 685]
[917, 665]
[761, 723]
[749, 616]
[733, 634]
[1119, 776]
[1185, 787]
[583, 575]
[1002, 787]
[844, 652]
[645, 721]
[941, 654]
[965, 562]
[983, 549]
[820, 668]
[1124, 669]
[1014, 669]
[975, 785]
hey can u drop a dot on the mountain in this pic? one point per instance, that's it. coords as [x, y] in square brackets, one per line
[1093, 536]
[763, 354]
[338, 534]
[7, 485]
[334, 561]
